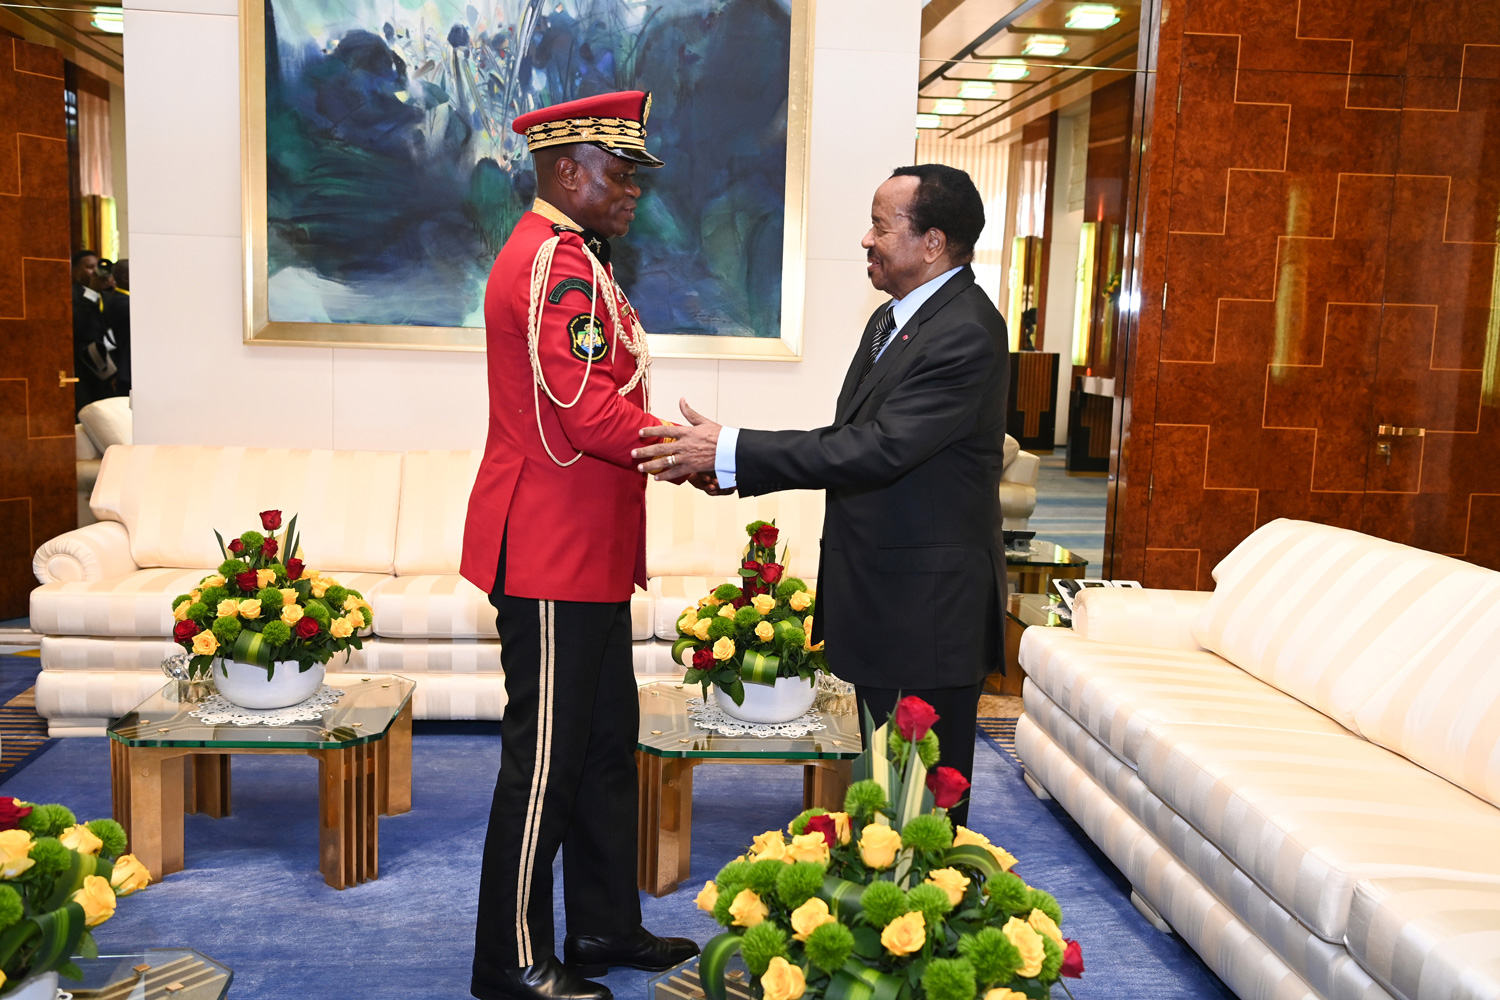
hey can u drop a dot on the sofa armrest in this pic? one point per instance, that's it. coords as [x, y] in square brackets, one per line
[1023, 470]
[1159, 619]
[99, 551]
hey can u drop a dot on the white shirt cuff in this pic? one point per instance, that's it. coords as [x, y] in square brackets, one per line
[724, 467]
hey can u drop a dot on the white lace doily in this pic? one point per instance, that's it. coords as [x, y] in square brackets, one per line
[216, 710]
[708, 715]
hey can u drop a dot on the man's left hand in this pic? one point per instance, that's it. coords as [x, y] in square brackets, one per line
[694, 450]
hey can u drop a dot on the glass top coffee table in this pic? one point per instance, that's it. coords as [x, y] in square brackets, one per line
[164, 762]
[1041, 562]
[151, 974]
[670, 746]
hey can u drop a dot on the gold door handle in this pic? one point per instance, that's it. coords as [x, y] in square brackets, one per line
[1391, 430]
[63, 381]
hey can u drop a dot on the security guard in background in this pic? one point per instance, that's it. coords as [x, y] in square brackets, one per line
[556, 536]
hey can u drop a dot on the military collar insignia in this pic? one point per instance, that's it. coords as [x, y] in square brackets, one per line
[598, 245]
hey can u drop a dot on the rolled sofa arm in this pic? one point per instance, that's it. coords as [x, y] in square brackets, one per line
[98, 551]
[1159, 619]
[1023, 470]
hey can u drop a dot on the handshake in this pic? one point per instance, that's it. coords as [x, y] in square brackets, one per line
[684, 454]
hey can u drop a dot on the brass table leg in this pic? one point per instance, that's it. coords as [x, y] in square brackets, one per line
[665, 828]
[824, 784]
[348, 824]
[148, 800]
[206, 782]
[393, 766]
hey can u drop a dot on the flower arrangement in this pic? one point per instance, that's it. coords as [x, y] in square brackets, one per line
[757, 631]
[258, 609]
[58, 879]
[886, 899]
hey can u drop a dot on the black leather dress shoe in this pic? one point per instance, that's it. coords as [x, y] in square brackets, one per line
[548, 979]
[593, 954]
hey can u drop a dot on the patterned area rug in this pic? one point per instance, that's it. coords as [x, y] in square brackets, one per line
[1001, 734]
[23, 733]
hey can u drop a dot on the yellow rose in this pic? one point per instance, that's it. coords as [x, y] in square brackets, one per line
[97, 900]
[81, 839]
[310, 574]
[351, 602]
[709, 602]
[906, 934]
[211, 581]
[288, 595]
[265, 577]
[340, 628]
[809, 917]
[769, 846]
[1028, 942]
[841, 826]
[724, 648]
[180, 611]
[700, 628]
[764, 603]
[951, 881]
[356, 617]
[878, 845]
[250, 609]
[800, 600]
[747, 910]
[807, 643]
[727, 611]
[129, 875]
[228, 608]
[15, 848]
[321, 584]
[1003, 993]
[708, 897]
[809, 847]
[689, 613]
[782, 980]
[964, 837]
[195, 594]
[292, 614]
[1042, 924]
[205, 644]
[765, 631]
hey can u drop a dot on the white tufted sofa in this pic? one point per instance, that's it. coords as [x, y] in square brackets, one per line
[1299, 771]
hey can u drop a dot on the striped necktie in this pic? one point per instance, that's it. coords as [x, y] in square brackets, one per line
[884, 327]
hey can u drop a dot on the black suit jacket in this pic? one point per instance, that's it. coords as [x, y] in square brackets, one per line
[911, 581]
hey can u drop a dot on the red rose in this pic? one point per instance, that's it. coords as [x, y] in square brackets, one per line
[914, 717]
[823, 825]
[270, 519]
[771, 572]
[750, 564]
[766, 535]
[236, 546]
[703, 659]
[743, 599]
[12, 812]
[247, 581]
[184, 631]
[293, 568]
[268, 547]
[1072, 963]
[947, 787]
[307, 627]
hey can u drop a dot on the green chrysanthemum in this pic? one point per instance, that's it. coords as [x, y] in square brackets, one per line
[928, 750]
[789, 586]
[721, 908]
[226, 630]
[795, 636]
[179, 599]
[798, 826]
[948, 979]
[732, 874]
[11, 909]
[1052, 959]
[335, 596]
[1047, 903]
[318, 612]
[761, 876]
[270, 599]
[48, 820]
[882, 903]
[112, 835]
[1009, 893]
[928, 832]
[51, 857]
[747, 616]
[760, 944]
[931, 900]
[230, 568]
[253, 541]
[197, 611]
[719, 628]
[863, 800]
[277, 633]
[993, 957]
[726, 592]
[797, 883]
[213, 595]
[829, 946]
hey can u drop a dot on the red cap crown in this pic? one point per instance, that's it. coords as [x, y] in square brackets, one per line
[616, 122]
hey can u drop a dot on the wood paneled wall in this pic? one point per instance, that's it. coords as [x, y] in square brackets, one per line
[1319, 258]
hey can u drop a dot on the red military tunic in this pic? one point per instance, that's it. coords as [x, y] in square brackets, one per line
[576, 533]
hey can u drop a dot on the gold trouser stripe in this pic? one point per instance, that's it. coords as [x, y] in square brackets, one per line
[540, 764]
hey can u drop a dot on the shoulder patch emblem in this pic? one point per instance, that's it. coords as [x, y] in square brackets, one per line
[569, 285]
[586, 337]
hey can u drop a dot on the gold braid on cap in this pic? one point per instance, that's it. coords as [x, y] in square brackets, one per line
[621, 133]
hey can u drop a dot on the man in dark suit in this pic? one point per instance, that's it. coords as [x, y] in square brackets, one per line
[912, 575]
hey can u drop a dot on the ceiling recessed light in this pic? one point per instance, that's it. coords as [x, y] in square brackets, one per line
[929, 121]
[1009, 69]
[977, 90]
[948, 106]
[110, 19]
[1045, 45]
[1092, 17]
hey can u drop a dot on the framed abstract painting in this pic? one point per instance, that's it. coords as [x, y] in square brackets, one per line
[381, 176]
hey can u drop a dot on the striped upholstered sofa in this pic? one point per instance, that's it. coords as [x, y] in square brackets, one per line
[1300, 771]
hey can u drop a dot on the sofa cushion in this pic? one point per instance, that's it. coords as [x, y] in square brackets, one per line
[1161, 619]
[446, 606]
[1116, 691]
[1329, 615]
[108, 422]
[1428, 938]
[173, 498]
[1307, 815]
[138, 604]
[672, 595]
[689, 533]
[1443, 709]
[456, 657]
[435, 488]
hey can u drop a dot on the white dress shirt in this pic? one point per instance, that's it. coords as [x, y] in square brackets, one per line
[902, 309]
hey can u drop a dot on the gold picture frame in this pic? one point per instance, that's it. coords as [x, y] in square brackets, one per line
[259, 329]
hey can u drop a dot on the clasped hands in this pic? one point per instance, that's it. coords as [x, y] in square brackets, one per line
[689, 456]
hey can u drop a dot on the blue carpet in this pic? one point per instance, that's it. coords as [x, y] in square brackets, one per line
[1070, 510]
[252, 898]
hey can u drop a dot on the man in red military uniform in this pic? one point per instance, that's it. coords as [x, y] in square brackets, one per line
[556, 535]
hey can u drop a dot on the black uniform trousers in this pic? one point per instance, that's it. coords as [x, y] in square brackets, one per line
[567, 779]
[958, 715]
